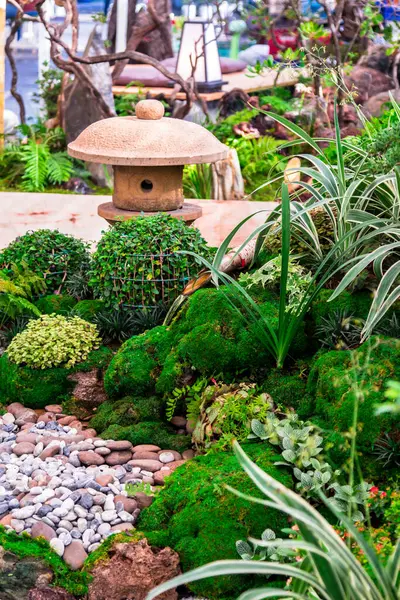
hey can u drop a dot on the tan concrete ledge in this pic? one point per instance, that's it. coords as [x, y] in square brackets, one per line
[77, 214]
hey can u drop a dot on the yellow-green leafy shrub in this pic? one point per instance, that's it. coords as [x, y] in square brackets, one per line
[54, 340]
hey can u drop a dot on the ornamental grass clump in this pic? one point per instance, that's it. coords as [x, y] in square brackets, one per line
[53, 341]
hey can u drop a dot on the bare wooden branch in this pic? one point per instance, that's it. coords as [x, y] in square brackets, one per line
[9, 53]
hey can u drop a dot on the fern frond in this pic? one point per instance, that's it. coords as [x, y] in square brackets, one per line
[35, 157]
[59, 167]
[9, 287]
[14, 306]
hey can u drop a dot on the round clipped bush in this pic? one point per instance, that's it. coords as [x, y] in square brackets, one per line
[49, 253]
[52, 341]
[137, 262]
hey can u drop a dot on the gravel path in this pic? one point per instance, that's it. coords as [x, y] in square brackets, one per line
[60, 481]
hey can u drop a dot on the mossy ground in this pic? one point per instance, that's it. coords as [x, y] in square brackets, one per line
[37, 387]
[199, 518]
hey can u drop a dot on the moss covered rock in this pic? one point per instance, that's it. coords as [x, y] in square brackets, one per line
[331, 384]
[209, 338]
[356, 304]
[56, 304]
[199, 518]
[149, 432]
[127, 411]
[37, 387]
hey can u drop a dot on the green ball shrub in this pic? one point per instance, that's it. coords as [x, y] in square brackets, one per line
[200, 519]
[55, 304]
[330, 384]
[137, 262]
[49, 253]
[52, 341]
[88, 309]
[35, 388]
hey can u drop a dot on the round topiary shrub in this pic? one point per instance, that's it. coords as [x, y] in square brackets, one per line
[201, 520]
[138, 262]
[53, 341]
[49, 253]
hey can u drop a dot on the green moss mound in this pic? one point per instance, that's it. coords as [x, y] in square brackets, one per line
[287, 389]
[87, 309]
[149, 432]
[356, 304]
[37, 387]
[128, 411]
[75, 582]
[199, 518]
[56, 304]
[209, 338]
[330, 383]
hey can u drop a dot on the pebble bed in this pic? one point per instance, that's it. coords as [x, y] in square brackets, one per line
[60, 481]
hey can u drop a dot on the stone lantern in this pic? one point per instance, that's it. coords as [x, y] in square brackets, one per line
[148, 153]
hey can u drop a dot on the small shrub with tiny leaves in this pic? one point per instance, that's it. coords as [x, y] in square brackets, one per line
[138, 263]
[52, 341]
[49, 253]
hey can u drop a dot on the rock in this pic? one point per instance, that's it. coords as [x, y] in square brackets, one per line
[145, 455]
[104, 480]
[49, 452]
[89, 457]
[8, 418]
[159, 477]
[16, 409]
[89, 388]
[178, 422]
[89, 433]
[28, 416]
[40, 529]
[66, 420]
[24, 513]
[122, 527]
[120, 457]
[57, 545]
[167, 457]
[49, 593]
[146, 448]
[119, 445]
[129, 504]
[148, 465]
[23, 448]
[377, 103]
[20, 574]
[187, 454]
[174, 465]
[53, 408]
[75, 555]
[143, 500]
[134, 568]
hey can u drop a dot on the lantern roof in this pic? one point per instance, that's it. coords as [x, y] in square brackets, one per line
[148, 139]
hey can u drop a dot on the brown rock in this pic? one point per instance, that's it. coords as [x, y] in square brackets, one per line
[104, 480]
[89, 433]
[118, 458]
[28, 416]
[159, 477]
[50, 451]
[66, 420]
[129, 504]
[146, 448]
[132, 571]
[88, 457]
[16, 409]
[178, 422]
[119, 445]
[77, 425]
[27, 425]
[53, 408]
[47, 417]
[89, 388]
[143, 500]
[75, 555]
[23, 448]
[49, 593]
[26, 437]
[147, 465]
[174, 465]
[40, 529]
[187, 454]
[6, 521]
[145, 455]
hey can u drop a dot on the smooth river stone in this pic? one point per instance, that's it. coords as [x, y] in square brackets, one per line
[118, 458]
[147, 465]
[23, 448]
[89, 457]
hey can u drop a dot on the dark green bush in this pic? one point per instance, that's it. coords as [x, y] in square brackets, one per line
[36, 387]
[56, 304]
[87, 309]
[138, 263]
[48, 253]
[199, 518]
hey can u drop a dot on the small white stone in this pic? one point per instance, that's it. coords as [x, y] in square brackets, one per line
[57, 546]
[109, 515]
[8, 419]
[82, 525]
[18, 525]
[166, 457]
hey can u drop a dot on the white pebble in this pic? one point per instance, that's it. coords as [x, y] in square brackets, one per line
[57, 546]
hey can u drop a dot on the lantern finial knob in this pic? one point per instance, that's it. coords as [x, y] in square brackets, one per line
[150, 110]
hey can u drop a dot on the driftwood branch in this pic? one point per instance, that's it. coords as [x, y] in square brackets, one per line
[9, 53]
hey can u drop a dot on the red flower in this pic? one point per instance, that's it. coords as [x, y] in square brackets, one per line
[374, 490]
[383, 494]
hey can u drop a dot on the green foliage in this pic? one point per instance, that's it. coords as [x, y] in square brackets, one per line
[55, 304]
[148, 432]
[23, 546]
[48, 253]
[340, 330]
[288, 390]
[87, 309]
[138, 262]
[330, 383]
[225, 413]
[35, 163]
[269, 276]
[276, 104]
[52, 341]
[188, 396]
[251, 551]
[224, 129]
[125, 412]
[35, 388]
[17, 287]
[202, 520]
[119, 324]
[197, 181]
[49, 89]
[325, 569]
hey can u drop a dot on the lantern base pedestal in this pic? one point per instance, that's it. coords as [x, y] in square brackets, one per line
[112, 214]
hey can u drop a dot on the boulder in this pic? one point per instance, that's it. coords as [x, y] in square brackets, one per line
[376, 105]
[49, 593]
[18, 575]
[132, 570]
